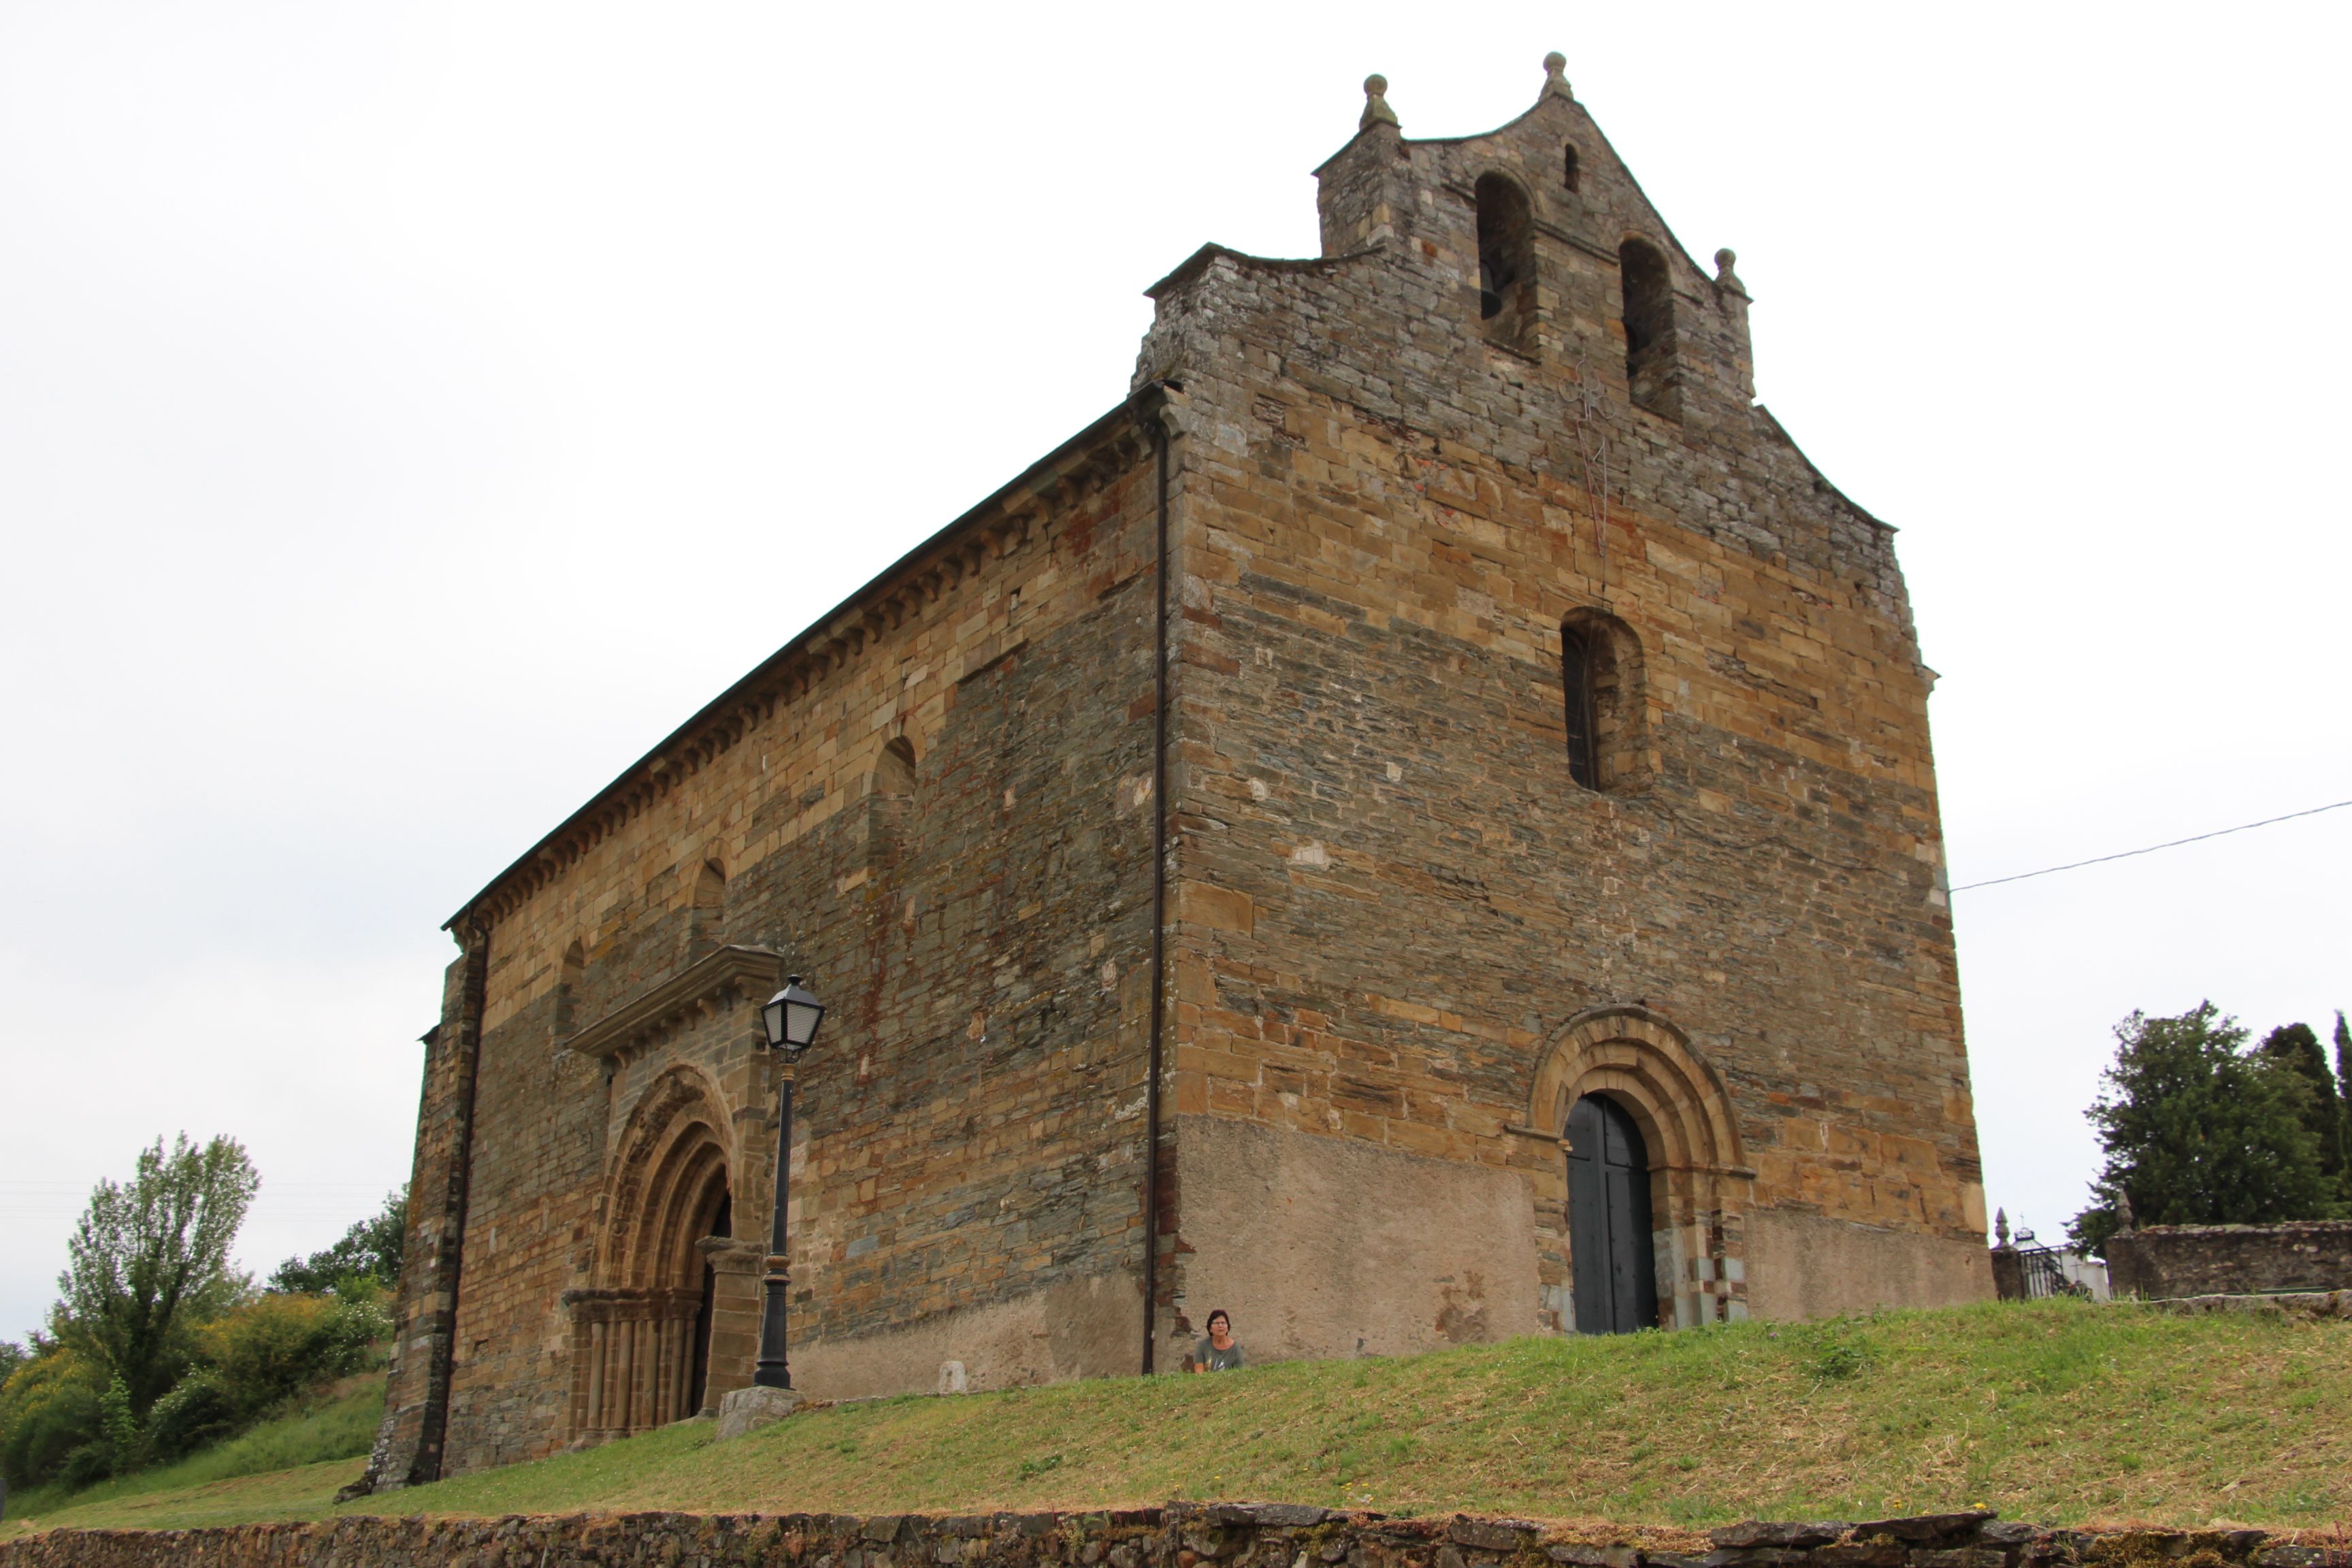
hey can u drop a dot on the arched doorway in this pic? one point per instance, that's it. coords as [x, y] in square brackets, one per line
[1674, 1110]
[641, 1335]
[1610, 1243]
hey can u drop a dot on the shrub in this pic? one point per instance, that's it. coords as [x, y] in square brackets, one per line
[279, 1344]
[49, 1413]
[197, 1411]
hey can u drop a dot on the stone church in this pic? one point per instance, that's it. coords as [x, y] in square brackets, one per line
[1415, 826]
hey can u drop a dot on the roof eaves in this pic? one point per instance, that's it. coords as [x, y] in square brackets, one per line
[1045, 468]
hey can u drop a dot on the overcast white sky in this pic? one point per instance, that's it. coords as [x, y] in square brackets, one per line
[409, 413]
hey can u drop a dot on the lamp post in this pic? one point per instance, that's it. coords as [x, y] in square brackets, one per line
[791, 1017]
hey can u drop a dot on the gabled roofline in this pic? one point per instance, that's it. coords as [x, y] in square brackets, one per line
[1192, 265]
[1541, 99]
[770, 671]
[1362, 131]
[1813, 468]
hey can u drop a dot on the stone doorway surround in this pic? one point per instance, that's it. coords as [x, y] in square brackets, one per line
[634, 1332]
[1701, 1186]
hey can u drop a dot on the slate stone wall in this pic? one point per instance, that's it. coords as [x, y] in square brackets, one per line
[1398, 908]
[1230, 1535]
[969, 1147]
[2166, 1261]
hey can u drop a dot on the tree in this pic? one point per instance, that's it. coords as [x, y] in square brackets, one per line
[2294, 1047]
[149, 1260]
[2199, 1132]
[369, 1251]
[2344, 1095]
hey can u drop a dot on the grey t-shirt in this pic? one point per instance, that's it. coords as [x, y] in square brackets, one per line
[1215, 1360]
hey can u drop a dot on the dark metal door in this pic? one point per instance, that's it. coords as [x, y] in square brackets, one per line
[1609, 1220]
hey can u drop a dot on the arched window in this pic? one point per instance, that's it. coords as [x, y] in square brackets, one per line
[1649, 313]
[1507, 269]
[1604, 709]
[1576, 668]
[708, 910]
[568, 979]
[1569, 172]
[889, 804]
[1611, 1250]
[893, 770]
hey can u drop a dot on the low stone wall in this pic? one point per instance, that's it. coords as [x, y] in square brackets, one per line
[1182, 1535]
[2164, 1261]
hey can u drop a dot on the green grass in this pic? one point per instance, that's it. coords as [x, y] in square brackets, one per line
[2058, 1411]
[325, 1434]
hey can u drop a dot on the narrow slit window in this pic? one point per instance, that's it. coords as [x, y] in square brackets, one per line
[1606, 727]
[1569, 173]
[1576, 668]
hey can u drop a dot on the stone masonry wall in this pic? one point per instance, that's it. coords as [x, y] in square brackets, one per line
[2168, 1262]
[1180, 1535]
[967, 1163]
[1397, 906]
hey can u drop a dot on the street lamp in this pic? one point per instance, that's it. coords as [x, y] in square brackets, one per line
[791, 1017]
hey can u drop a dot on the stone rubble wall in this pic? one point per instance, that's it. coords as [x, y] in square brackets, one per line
[2166, 1262]
[1180, 1535]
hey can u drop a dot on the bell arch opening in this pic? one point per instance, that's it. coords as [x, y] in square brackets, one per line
[1629, 1065]
[642, 1334]
[1506, 261]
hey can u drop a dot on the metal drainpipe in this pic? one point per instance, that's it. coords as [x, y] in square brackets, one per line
[1155, 395]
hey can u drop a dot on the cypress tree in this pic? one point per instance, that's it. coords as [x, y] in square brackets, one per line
[2294, 1048]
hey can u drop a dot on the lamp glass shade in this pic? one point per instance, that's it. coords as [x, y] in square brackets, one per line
[791, 1017]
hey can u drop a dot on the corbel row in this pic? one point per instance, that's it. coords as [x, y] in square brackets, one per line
[803, 667]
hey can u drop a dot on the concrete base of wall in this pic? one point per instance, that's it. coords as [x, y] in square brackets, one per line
[1080, 1328]
[1332, 1246]
[1806, 1266]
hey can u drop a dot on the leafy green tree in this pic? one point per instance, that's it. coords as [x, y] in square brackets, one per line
[149, 1260]
[2295, 1047]
[369, 1251]
[2199, 1131]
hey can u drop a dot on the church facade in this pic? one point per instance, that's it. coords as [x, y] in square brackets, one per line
[1416, 827]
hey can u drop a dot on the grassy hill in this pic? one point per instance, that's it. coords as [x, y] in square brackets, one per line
[321, 1437]
[2059, 1412]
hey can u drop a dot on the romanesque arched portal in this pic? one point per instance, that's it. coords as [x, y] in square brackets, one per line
[641, 1333]
[1643, 1066]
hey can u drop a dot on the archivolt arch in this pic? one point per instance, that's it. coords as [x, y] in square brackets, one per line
[641, 1333]
[1699, 1177]
[672, 1165]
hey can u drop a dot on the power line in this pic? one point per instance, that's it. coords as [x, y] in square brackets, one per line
[2175, 844]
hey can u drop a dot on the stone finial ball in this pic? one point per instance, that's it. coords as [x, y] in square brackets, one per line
[1375, 85]
[1555, 63]
[1726, 259]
